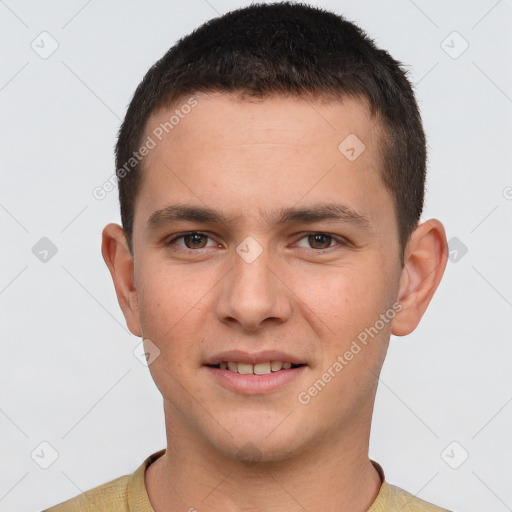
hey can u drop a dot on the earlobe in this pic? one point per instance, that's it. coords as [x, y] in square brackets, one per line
[116, 254]
[426, 256]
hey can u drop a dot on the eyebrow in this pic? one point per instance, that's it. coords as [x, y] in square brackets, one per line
[333, 212]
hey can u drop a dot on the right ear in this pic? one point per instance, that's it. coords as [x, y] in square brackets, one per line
[116, 254]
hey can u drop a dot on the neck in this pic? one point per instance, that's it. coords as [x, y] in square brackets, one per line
[335, 474]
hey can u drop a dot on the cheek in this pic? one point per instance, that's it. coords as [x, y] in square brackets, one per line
[172, 314]
[346, 305]
[352, 349]
[171, 305]
[345, 298]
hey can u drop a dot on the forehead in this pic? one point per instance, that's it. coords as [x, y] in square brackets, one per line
[245, 154]
[273, 118]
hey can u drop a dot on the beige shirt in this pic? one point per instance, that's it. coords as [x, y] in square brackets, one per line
[128, 494]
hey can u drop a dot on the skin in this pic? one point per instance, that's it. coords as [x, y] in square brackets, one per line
[248, 157]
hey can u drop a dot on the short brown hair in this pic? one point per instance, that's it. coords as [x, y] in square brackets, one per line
[286, 48]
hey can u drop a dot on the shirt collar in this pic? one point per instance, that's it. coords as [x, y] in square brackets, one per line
[138, 500]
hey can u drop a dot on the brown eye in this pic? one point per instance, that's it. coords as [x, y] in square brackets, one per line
[319, 241]
[193, 240]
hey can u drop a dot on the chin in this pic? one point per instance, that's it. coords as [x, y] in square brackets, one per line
[254, 441]
[258, 452]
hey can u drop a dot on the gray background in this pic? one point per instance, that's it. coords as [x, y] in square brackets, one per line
[68, 373]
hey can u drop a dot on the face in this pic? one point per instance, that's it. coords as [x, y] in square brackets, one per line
[285, 248]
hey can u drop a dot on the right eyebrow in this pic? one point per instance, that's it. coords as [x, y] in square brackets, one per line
[180, 212]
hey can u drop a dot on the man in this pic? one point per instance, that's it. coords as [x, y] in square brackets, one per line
[271, 173]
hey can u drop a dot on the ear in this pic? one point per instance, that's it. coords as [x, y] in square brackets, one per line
[425, 259]
[116, 254]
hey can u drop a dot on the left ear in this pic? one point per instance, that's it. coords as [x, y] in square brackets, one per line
[425, 258]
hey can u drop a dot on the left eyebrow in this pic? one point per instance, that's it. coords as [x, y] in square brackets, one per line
[331, 212]
[334, 212]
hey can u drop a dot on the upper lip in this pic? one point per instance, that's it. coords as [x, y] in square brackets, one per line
[262, 356]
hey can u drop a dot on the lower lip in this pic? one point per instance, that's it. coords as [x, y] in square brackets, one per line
[255, 384]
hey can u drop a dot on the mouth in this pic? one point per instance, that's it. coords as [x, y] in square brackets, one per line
[257, 373]
[263, 368]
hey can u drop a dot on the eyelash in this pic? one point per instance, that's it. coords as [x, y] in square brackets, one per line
[340, 241]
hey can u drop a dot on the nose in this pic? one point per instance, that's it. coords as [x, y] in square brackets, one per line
[254, 294]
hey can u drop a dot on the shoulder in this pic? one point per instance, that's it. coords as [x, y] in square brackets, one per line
[393, 498]
[124, 494]
[112, 496]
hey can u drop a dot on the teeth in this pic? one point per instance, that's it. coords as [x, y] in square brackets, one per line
[257, 369]
[245, 369]
[276, 365]
[262, 368]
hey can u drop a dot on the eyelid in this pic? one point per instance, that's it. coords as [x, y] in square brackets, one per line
[185, 233]
[341, 241]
